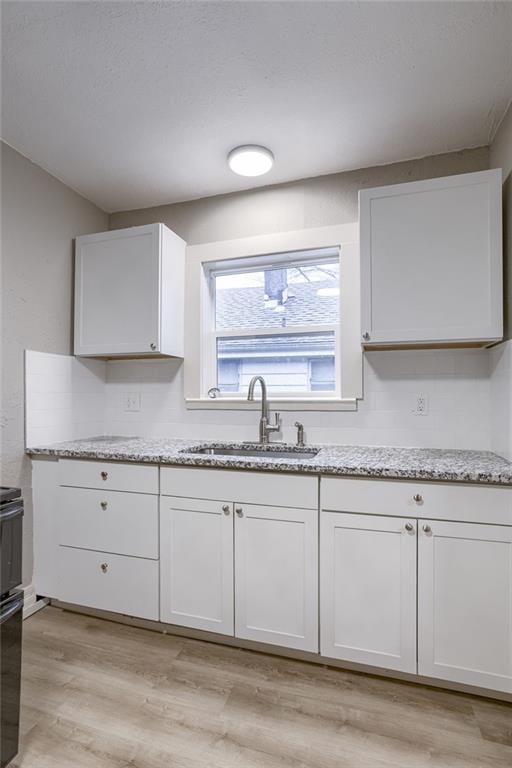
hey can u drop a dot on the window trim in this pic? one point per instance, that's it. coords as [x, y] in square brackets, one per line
[198, 324]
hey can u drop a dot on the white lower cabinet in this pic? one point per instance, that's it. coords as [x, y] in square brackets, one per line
[465, 603]
[368, 589]
[276, 575]
[108, 582]
[196, 570]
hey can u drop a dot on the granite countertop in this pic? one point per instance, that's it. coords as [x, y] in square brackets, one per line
[350, 460]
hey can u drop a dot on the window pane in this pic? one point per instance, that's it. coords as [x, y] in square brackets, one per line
[295, 363]
[278, 297]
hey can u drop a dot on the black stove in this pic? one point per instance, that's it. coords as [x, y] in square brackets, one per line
[11, 617]
[8, 494]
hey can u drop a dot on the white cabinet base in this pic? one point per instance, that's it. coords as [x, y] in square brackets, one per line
[196, 568]
[109, 582]
[276, 575]
[368, 590]
[465, 603]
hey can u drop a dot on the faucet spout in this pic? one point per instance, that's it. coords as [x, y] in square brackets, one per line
[265, 427]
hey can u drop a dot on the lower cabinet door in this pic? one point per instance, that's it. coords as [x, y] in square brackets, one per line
[465, 603]
[196, 564]
[276, 575]
[116, 583]
[368, 589]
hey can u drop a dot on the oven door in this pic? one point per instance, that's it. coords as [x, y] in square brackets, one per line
[11, 532]
[11, 618]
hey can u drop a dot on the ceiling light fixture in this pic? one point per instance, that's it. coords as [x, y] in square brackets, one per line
[250, 160]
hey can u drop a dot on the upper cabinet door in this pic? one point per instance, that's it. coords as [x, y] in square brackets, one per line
[129, 287]
[431, 261]
[465, 603]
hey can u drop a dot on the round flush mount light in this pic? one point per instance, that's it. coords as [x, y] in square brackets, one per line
[250, 160]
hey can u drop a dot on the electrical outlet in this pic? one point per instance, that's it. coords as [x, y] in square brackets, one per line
[132, 401]
[420, 404]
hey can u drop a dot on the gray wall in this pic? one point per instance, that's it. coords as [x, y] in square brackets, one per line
[40, 216]
[501, 157]
[316, 202]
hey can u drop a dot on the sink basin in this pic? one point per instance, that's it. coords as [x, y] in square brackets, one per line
[262, 452]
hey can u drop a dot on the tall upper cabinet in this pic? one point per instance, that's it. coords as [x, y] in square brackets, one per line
[431, 262]
[129, 293]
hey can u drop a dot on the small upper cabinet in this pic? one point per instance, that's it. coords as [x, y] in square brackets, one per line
[129, 293]
[431, 262]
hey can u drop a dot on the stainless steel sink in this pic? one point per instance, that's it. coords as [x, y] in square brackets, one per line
[263, 452]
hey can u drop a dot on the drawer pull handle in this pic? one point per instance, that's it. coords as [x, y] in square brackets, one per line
[418, 498]
[104, 567]
[409, 527]
[103, 504]
[427, 529]
[225, 509]
[104, 475]
[239, 511]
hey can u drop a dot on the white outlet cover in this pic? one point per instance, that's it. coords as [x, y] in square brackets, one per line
[132, 401]
[420, 404]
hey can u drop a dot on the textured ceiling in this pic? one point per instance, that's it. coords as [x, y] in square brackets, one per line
[135, 104]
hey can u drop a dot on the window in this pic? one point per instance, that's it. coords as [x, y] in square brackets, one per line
[275, 313]
[277, 316]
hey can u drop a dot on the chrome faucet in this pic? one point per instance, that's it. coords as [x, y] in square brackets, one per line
[265, 427]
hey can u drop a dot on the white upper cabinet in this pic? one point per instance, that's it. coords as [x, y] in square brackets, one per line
[431, 262]
[129, 293]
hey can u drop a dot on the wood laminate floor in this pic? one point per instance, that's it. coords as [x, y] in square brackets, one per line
[100, 694]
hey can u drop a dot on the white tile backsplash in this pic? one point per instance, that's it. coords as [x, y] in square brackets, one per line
[456, 383]
[468, 393]
[64, 397]
[501, 398]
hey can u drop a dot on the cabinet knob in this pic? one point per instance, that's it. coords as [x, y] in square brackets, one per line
[152, 346]
[418, 498]
[427, 529]
[366, 336]
[226, 509]
[104, 475]
[239, 511]
[103, 504]
[409, 527]
[104, 567]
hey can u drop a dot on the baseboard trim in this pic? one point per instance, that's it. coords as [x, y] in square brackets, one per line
[31, 603]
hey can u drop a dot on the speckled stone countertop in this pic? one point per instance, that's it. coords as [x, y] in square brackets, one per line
[350, 460]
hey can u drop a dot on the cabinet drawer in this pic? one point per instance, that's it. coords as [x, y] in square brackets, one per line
[109, 521]
[109, 582]
[266, 488]
[441, 501]
[108, 475]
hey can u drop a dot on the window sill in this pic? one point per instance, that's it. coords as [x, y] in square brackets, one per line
[288, 404]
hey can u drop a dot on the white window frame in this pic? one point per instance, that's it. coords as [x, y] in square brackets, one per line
[200, 320]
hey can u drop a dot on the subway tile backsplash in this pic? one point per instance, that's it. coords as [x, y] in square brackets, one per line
[467, 393]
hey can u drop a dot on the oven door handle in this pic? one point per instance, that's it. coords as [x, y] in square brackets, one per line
[7, 613]
[9, 514]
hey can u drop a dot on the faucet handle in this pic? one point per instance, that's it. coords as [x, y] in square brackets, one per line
[276, 426]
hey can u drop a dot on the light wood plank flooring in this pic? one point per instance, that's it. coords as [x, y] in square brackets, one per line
[100, 694]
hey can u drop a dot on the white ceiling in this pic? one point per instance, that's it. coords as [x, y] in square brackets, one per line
[135, 104]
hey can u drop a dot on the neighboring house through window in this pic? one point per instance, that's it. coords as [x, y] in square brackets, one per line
[279, 320]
